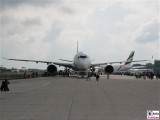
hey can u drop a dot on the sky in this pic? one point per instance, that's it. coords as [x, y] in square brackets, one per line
[106, 30]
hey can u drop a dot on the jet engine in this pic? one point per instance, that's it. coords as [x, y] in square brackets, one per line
[52, 68]
[109, 69]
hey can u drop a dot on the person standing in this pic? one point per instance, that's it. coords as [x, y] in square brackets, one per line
[97, 77]
[4, 85]
[6, 82]
[88, 76]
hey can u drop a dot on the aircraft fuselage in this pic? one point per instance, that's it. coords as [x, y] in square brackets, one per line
[81, 61]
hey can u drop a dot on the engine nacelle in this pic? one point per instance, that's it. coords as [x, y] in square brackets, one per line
[52, 68]
[109, 69]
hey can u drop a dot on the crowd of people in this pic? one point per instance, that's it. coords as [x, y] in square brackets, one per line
[144, 75]
[149, 75]
[90, 75]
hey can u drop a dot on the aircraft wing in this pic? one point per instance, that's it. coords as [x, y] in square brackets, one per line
[99, 64]
[139, 60]
[48, 62]
[36, 61]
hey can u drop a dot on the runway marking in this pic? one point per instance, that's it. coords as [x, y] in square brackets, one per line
[75, 90]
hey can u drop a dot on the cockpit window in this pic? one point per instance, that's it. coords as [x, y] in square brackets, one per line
[82, 56]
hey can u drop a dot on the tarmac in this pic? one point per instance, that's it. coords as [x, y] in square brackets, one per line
[70, 98]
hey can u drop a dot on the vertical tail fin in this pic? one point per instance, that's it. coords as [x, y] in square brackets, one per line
[130, 58]
[77, 46]
[128, 61]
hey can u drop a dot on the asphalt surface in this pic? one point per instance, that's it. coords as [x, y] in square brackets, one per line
[69, 98]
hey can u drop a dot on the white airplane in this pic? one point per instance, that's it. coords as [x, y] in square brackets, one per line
[81, 62]
[141, 71]
[125, 65]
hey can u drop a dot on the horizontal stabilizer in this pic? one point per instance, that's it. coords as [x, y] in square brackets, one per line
[66, 60]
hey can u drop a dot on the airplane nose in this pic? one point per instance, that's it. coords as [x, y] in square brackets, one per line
[84, 65]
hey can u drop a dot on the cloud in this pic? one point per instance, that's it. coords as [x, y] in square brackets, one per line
[148, 32]
[15, 3]
[32, 22]
[34, 29]
[54, 31]
[67, 10]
